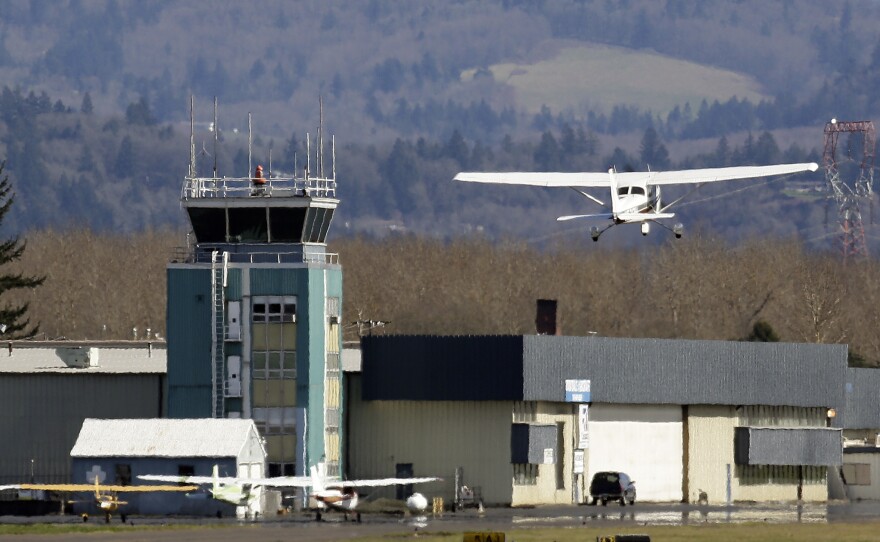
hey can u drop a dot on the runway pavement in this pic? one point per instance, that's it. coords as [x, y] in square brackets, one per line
[303, 527]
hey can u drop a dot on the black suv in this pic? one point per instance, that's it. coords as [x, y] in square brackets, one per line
[612, 486]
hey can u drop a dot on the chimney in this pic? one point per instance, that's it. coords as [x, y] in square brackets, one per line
[545, 319]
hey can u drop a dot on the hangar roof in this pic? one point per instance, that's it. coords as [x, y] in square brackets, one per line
[74, 357]
[209, 437]
[629, 371]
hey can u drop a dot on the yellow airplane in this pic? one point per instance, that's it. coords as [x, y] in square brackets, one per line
[106, 496]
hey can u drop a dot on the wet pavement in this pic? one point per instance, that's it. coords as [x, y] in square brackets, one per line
[302, 526]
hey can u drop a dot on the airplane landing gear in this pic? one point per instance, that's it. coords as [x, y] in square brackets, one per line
[594, 233]
[318, 515]
[678, 229]
[645, 228]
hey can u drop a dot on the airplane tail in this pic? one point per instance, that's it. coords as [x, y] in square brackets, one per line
[615, 198]
[216, 483]
[318, 473]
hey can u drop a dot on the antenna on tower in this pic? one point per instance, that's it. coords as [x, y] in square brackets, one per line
[320, 136]
[250, 147]
[216, 129]
[333, 150]
[849, 195]
[308, 154]
[192, 136]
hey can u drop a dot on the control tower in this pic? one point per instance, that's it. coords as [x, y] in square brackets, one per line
[254, 304]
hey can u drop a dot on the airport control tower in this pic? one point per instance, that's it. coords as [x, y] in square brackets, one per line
[254, 304]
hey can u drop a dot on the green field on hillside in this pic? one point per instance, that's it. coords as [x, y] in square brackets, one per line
[598, 77]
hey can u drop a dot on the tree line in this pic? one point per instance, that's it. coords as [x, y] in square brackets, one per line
[103, 286]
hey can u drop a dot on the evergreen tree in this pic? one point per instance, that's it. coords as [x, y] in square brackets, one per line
[14, 323]
[87, 106]
[762, 332]
[653, 152]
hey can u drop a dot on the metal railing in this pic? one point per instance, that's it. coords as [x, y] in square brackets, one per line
[189, 255]
[245, 187]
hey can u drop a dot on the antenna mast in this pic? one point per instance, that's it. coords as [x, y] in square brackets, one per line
[250, 164]
[849, 195]
[216, 129]
[192, 136]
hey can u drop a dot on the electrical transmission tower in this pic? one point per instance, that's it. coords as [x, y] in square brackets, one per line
[849, 196]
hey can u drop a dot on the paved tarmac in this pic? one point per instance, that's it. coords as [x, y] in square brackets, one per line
[302, 527]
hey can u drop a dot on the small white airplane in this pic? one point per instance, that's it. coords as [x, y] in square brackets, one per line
[635, 196]
[106, 496]
[332, 493]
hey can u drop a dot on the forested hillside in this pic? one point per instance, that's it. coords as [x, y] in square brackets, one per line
[95, 107]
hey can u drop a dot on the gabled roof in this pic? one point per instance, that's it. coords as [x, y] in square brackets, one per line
[207, 437]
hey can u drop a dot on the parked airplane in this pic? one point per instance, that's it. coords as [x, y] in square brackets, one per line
[329, 492]
[106, 496]
[635, 196]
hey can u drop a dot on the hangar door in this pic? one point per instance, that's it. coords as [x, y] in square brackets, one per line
[644, 441]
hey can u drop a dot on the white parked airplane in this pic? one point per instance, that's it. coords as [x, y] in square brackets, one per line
[328, 492]
[635, 196]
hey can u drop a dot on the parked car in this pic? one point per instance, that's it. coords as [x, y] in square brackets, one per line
[612, 486]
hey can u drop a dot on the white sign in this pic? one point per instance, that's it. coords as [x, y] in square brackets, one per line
[548, 456]
[577, 391]
[583, 421]
[578, 467]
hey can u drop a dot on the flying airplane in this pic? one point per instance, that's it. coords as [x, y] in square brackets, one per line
[635, 196]
[106, 496]
[329, 492]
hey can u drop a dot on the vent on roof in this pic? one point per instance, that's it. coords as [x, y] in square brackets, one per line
[78, 357]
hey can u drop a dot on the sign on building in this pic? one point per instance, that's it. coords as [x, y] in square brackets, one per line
[577, 391]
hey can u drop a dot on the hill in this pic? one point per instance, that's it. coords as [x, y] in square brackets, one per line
[596, 77]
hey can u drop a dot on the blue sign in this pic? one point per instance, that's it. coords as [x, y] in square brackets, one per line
[577, 391]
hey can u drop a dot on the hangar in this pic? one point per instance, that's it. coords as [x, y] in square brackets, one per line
[47, 389]
[527, 419]
[118, 451]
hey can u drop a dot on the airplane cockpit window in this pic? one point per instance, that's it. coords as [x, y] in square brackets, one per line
[638, 190]
[622, 191]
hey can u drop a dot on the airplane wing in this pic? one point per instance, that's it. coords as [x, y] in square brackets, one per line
[183, 479]
[381, 482]
[280, 481]
[549, 179]
[710, 175]
[602, 179]
[92, 487]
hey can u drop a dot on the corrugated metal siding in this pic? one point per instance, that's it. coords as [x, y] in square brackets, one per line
[233, 284]
[276, 281]
[657, 371]
[42, 416]
[436, 437]
[189, 342]
[431, 368]
[710, 451]
[528, 442]
[788, 446]
[862, 399]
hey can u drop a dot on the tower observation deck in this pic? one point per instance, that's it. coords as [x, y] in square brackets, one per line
[260, 220]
